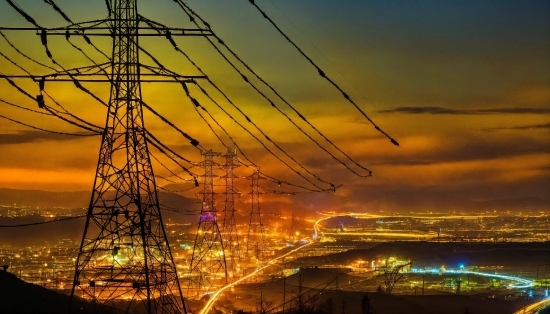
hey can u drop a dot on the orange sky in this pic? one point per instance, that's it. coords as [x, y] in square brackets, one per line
[463, 87]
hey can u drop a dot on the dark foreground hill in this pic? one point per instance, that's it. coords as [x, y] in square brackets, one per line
[17, 296]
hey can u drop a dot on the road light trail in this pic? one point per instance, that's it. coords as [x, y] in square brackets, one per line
[534, 308]
[522, 282]
[210, 302]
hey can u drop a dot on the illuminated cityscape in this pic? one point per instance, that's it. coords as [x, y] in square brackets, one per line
[323, 245]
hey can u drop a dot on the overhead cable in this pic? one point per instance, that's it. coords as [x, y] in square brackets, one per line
[322, 74]
[255, 126]
[42, 222]
[49, 131]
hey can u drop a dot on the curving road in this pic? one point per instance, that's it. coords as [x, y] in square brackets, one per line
[535, 307]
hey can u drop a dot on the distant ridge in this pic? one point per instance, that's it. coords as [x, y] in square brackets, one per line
[78, 199]
[515, 204]
[73, 229]
[302, 203]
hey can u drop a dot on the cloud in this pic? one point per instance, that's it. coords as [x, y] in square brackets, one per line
[31, 136]
[522, 127]
[448, 111]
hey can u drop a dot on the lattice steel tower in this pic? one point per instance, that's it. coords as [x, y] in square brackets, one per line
[208, 266]
[229, 227]
[256, 242]
[124, 253]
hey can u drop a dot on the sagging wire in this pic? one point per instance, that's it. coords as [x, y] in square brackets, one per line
[165, 149]
[41, 104]
[265, 147]
[195, 102]
[79, 32]
[369, 173]
[44, 41]
[46, 130]
[40, 99]
[25, 55]
[176, 191]
[181, 211]
[157, 143]
[24, 108]
[199, 113]
[43, 222]
[322, 74]
[169, 170]
[250, 121]
[193, 141]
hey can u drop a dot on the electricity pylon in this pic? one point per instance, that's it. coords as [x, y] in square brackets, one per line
[293, 229]
[256, 242]
[124, 253]
[208, 266]
[229, 227]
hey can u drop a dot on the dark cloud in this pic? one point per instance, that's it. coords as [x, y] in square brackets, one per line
[31, 136]
[440, 110]
[522, 127]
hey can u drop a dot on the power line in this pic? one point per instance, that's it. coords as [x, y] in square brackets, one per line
[220, 41]
[42, 222]
[197, 104]
[46, 130]
[322, 74]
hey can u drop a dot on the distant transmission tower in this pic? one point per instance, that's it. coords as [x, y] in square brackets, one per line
[229, 227]
[208, 264]
[292, 230]
[124, 253]
[256, 242]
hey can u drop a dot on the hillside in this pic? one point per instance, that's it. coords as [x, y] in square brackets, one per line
[17, 296]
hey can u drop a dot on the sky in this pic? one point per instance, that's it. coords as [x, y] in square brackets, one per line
[463, 86]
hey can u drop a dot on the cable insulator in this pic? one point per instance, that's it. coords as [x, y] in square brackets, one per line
[195, 102]
[77, 83]
[184, 85]
[194, 142]
[44, 37]
[41, 83]
[40, 101]
[196, 182]
[169, 37]
[87, 39]
[67, 34]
